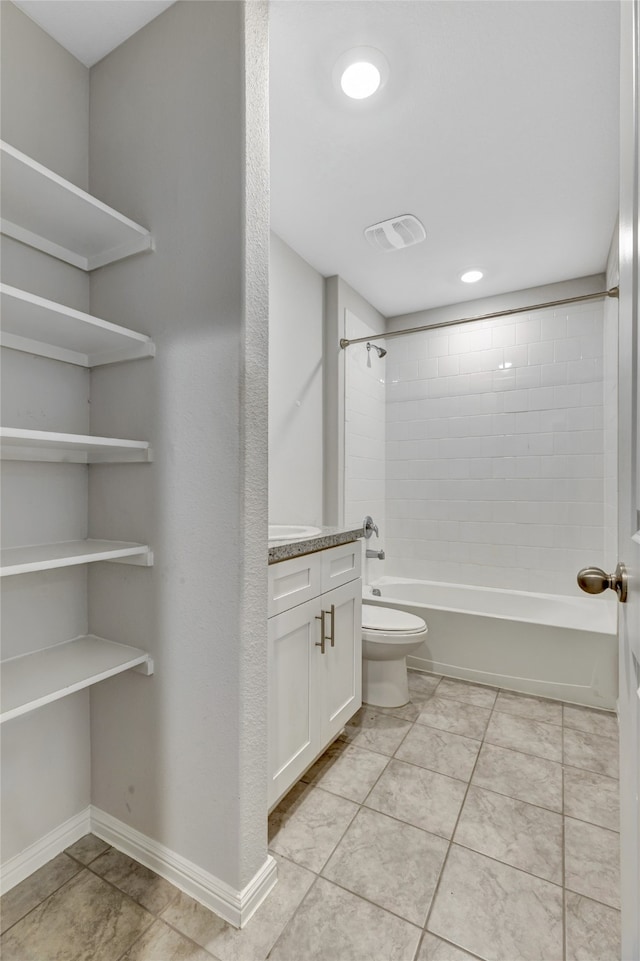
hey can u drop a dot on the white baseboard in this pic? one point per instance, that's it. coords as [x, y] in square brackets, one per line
[232, 905]
[17, 868]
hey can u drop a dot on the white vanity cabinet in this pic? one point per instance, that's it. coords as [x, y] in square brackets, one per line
[315, 675]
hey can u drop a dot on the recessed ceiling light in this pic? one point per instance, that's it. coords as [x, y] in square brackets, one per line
[360, 80]
[471, 276]
[361, 72]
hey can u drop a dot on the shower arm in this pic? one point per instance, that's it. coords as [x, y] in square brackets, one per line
[612, 292]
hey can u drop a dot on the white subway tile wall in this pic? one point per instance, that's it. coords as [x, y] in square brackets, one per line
[494, 450]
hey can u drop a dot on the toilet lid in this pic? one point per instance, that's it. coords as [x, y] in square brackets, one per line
[390, 621]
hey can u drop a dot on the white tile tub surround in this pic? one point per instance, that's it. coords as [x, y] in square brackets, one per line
[495, 451]
[365, 431]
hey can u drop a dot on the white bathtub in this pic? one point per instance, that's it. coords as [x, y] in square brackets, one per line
[544, 644]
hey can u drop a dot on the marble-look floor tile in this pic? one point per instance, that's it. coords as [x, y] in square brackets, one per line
[307, 825]
[375, 732]
[347, 770]
[423, 684]
[86, 920]
[523, 734]
[392, 864]
[410, 711]
[253, 942]
[435, 949]
[477, 694]
[455, 716]
[87, 849]
[592, 797]
[496, 911]
[589, 719]
[521, 776]
[439, 751]
[333, 924]
[592, 861]
[592, 930]
[519, 834]
[592, 752]
[141, 884]
[420, 797]
[162, 943]
[526, 705]
[24, 896]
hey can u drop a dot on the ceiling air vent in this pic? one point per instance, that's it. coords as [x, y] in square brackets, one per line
[396, 233]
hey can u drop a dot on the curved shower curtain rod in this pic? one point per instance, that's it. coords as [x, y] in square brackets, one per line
[613, 292]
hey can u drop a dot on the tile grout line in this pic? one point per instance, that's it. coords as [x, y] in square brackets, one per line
[455, 828]
[71, 857]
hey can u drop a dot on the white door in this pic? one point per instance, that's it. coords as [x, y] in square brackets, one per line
[629, 479]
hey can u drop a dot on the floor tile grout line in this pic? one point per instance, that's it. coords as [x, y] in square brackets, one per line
[148, 928]
[446, 857]
[292, 918]
[184, 934]
[42, 900]
[126, 893]
[363, 897]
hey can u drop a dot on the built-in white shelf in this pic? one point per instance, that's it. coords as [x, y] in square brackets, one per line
[39, 326]
[43, 210]
[46, 557]
[17, 443]
[33, 680]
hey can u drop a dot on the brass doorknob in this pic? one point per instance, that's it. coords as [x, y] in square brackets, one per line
[593, 580]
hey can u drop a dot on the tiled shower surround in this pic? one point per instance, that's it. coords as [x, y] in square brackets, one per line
[494, 451]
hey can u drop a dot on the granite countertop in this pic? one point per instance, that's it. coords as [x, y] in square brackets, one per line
[328, 537]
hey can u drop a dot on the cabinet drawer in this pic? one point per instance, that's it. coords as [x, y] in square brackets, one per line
[293, 582]
[341, 565]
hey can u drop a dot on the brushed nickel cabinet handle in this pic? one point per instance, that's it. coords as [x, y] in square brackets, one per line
[321, 617]
[333, 625]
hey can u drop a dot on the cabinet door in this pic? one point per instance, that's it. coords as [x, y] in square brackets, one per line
[340, 668]
[293, 729]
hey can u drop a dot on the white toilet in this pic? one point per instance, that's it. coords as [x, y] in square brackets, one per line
[387, 637]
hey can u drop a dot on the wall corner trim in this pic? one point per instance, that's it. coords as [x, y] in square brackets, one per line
[234, 906]
[17, 868]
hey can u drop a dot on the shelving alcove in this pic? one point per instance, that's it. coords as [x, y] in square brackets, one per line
[47, 212]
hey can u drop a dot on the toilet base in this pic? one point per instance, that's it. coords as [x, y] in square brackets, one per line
[384, 683]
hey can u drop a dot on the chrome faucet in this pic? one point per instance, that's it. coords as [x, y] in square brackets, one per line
[378, 554]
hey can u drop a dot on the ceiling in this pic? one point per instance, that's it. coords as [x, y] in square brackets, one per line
[90, 29]
[497, 128]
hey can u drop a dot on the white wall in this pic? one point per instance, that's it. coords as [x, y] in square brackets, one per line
[341, 302]
[45, 755]
[364, 437]
[495, 444]
[179, 143]
[296, 316]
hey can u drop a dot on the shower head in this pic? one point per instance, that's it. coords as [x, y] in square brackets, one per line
[381, 351]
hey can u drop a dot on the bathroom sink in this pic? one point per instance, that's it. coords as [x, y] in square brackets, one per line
[291, 532]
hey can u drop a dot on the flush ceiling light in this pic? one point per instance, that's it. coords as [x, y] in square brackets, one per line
[471, 276]
[360, 72]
